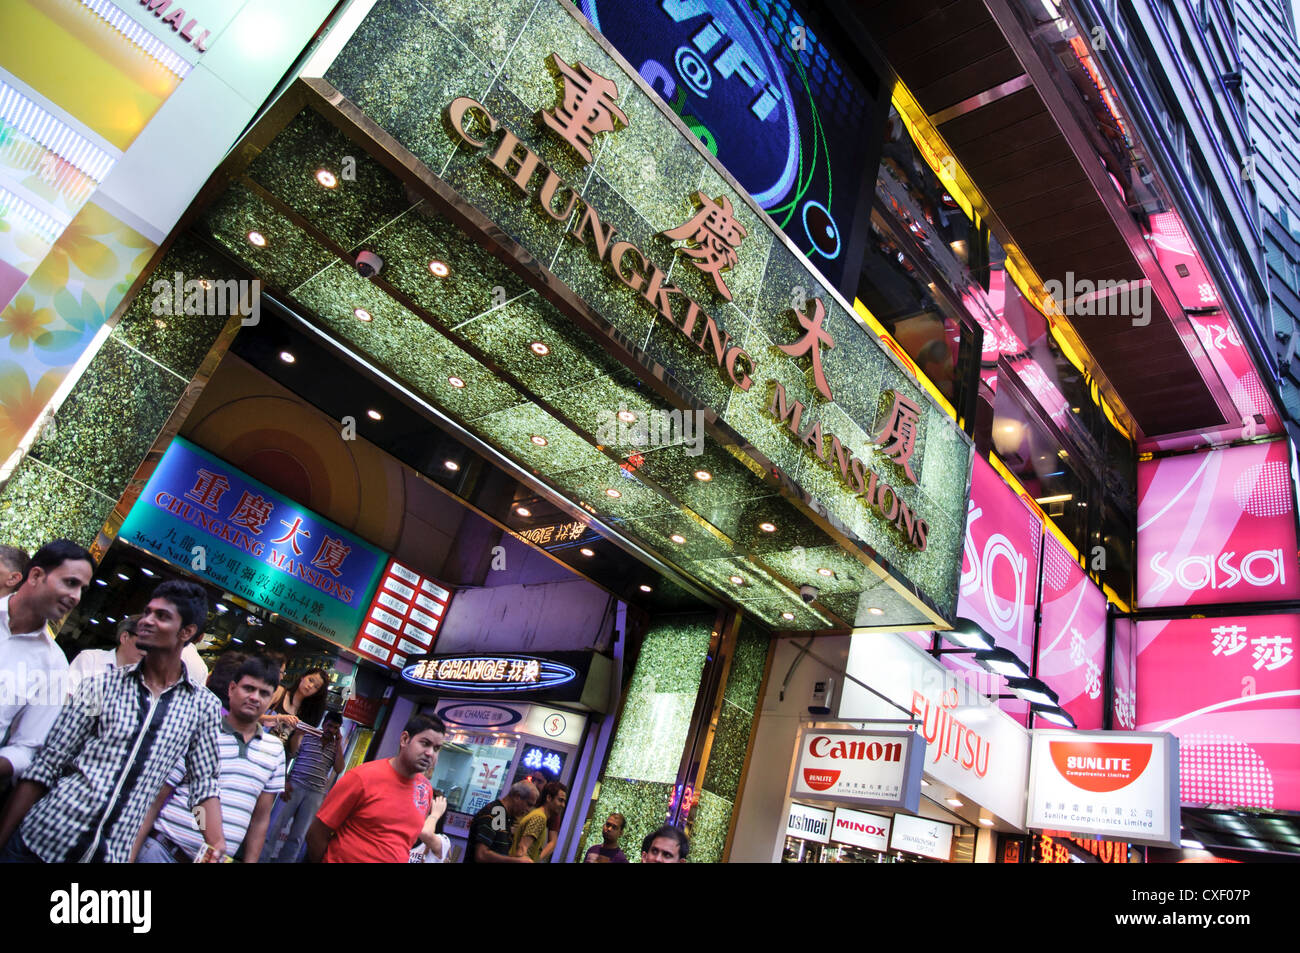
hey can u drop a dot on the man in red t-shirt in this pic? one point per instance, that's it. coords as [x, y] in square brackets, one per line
[377, 810]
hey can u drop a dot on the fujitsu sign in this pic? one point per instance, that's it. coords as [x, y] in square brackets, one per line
[862, 767]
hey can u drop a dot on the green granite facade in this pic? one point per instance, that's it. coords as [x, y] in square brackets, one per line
[404, 64]
[736, 720]
[81, 463]
[647, 748]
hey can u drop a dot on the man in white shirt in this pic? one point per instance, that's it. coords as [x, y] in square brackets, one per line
[33, 670]
[13, 566]
[93, 661]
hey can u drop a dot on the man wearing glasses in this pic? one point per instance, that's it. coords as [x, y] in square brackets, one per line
[93, 661]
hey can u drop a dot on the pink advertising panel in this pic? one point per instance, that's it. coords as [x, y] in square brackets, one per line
[999, 572]
[1124, 672]
[1229, 688]
[1217, 527]
[1237, 371]
[1072, 638]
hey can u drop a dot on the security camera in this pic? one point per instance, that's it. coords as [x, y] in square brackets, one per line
[368, 264]
[808, 593]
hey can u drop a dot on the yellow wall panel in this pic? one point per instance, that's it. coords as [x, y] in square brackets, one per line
[76, 60]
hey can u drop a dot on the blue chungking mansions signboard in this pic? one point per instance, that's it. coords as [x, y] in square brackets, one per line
[768, 98]
[201, 514]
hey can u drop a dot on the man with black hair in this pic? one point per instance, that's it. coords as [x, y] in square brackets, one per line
[378, 809]
[667, 845]
[110, 750]
[90, 662]
[316, 760]
[29, 660]
[252, 774]
[13, 569]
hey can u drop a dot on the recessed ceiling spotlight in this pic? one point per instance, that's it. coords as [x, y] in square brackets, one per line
[455, 381]
[613, 494]
[148, 572]
[124, 576]
[361, 314]
[737, 581]
[876, 610]
[259, 641]
[626, 416]
[704, 476]
[374, 415]
[539, 440]
[587, 552]
[287, 357]
[823, 571]
[787, 616]
[540, 349]
[767, 527]
[439, 268]
[523, 511]
[327, 178]
[451, 465]
[100, 582]
[677, 538]
[289, 641]
[954, 802]
[644, 588]
[257, 239]
[986, 821]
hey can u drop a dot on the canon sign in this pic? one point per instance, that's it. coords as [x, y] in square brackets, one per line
[859, 767]
[823, 747]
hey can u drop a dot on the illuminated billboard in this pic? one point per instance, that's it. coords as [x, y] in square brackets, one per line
[1229, 688]
[763, 92]
[1217, 527]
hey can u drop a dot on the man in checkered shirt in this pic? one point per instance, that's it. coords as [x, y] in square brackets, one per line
[109, 752]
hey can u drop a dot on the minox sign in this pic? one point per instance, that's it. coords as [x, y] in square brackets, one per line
[711, 241]
[881, 768]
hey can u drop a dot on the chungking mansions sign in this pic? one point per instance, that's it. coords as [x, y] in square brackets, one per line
[779, 358]
[712, 240]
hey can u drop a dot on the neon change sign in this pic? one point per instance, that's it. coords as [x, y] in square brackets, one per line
[1072, 640]
[1229, 688]
[999, 570]
[1217, 527]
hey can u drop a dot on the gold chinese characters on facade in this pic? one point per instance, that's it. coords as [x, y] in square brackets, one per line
[587, 108]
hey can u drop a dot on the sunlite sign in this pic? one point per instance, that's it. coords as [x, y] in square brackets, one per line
[860, 829]
[882, 768]
[808, 823]
[1106, 784]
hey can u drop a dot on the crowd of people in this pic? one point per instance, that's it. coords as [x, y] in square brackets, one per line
[139, 753]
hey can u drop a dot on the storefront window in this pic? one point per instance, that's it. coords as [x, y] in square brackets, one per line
[473, 770]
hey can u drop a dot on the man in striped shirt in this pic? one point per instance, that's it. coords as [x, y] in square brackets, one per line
[316, 761]
[252, 774]
[111, 748]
